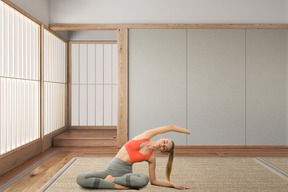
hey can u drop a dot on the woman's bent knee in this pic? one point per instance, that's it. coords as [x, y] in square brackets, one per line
[140, 181]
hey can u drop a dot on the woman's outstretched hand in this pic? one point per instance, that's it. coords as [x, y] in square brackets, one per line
[180, 187]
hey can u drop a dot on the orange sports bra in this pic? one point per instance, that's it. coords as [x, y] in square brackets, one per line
[132, 148]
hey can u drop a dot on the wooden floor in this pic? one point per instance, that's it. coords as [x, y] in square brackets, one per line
[35, 179]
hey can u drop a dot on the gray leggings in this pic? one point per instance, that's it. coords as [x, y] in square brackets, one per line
[120, 170]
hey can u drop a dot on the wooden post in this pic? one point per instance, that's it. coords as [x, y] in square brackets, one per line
[122, 124]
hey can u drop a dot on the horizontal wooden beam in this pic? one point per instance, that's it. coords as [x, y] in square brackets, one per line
[87, 27]
[82, 27]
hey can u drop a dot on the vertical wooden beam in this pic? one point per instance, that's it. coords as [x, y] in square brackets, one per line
[122, 124]
[42, 86]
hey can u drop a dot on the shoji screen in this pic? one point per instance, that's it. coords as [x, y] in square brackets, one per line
[19, 79]
[93, 84]
[54, 82]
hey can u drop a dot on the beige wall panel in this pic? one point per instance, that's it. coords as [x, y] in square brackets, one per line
[266, 86]
[157, 81]
[216, 87]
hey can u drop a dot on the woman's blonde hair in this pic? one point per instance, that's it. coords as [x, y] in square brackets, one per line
[169, 163]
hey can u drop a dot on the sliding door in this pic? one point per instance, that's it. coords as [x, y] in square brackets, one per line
[94, 84]
[55, 82]
[19, 79]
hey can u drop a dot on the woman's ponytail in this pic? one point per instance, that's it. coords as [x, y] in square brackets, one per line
[170, 163]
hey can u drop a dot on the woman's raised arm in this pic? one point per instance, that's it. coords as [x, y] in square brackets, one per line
[160, 130]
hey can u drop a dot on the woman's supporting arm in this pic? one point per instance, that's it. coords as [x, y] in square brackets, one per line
[153, 179]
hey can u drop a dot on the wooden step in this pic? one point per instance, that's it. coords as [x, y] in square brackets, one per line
[89, 137]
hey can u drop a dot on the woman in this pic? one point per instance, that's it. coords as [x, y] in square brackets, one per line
[118, 174]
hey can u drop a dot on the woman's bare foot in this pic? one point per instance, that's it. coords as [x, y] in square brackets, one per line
[109, 178]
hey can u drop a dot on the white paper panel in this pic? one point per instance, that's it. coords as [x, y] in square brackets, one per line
[99, 63]
[107, 64]
[28, 46]
[75, 63]
[33, 53]
[47, 56]
[75, 105]
[114, 105]
[83, 105]
[13, 114]
[107, 105]
[45, 107]
[16, 44]
[11, 43]
[99, 105]
[83, 64]
[23, 114]
[55, 106]
[3, 113]
[8, 112]
[114, 65]
[37, 52]
[24, 48]
[26, 109]
[47, 112]
[91, 105]
[37, 109]
[50, 108]
[6, 40]
[21, 69]
[19, 114]
[65, 62]
[91, 64]
[30, 109]
[45, 51]
[54, 58]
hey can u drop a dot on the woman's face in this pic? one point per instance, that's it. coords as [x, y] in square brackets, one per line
[164, 145]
